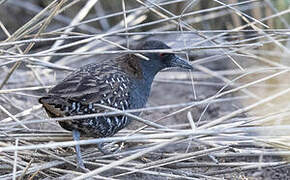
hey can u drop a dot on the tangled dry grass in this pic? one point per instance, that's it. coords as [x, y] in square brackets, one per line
[229, 118]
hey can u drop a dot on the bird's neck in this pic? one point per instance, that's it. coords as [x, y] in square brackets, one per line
[138, 68]
[149, 70]
[148, 77]
[142, 74]
[141, 91]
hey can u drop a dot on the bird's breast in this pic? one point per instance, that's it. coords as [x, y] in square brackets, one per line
[139, 94]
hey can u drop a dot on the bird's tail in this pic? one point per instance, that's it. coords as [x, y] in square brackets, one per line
[54, 106]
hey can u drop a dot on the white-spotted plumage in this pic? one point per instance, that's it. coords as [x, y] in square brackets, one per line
[126, 103]
[73, 106]
[90, 105]
[122, 105]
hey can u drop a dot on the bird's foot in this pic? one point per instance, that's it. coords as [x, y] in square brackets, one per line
[82, 168]
[80, 163]
[110, 148]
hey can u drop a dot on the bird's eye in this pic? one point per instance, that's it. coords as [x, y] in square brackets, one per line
[162, 54]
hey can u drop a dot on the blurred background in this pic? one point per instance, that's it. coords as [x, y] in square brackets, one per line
[238, 91]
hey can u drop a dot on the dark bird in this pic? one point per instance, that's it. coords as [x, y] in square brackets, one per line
[123, 83]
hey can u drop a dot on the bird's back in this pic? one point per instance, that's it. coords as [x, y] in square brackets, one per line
[83, 91]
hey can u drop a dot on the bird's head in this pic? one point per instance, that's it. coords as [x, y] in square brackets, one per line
[161, 60]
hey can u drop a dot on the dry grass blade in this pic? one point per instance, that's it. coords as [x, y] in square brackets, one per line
[226, 119]
[124, 160]
[13, 117]
[28, 48]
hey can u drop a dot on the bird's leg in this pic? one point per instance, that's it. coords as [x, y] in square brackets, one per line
[76, 136]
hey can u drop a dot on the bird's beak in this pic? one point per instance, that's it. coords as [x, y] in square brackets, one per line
[178, 62]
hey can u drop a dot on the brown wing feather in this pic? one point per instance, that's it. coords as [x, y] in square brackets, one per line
[53, 106]
[82, 91]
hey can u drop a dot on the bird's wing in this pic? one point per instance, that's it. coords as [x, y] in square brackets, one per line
[82, 89]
